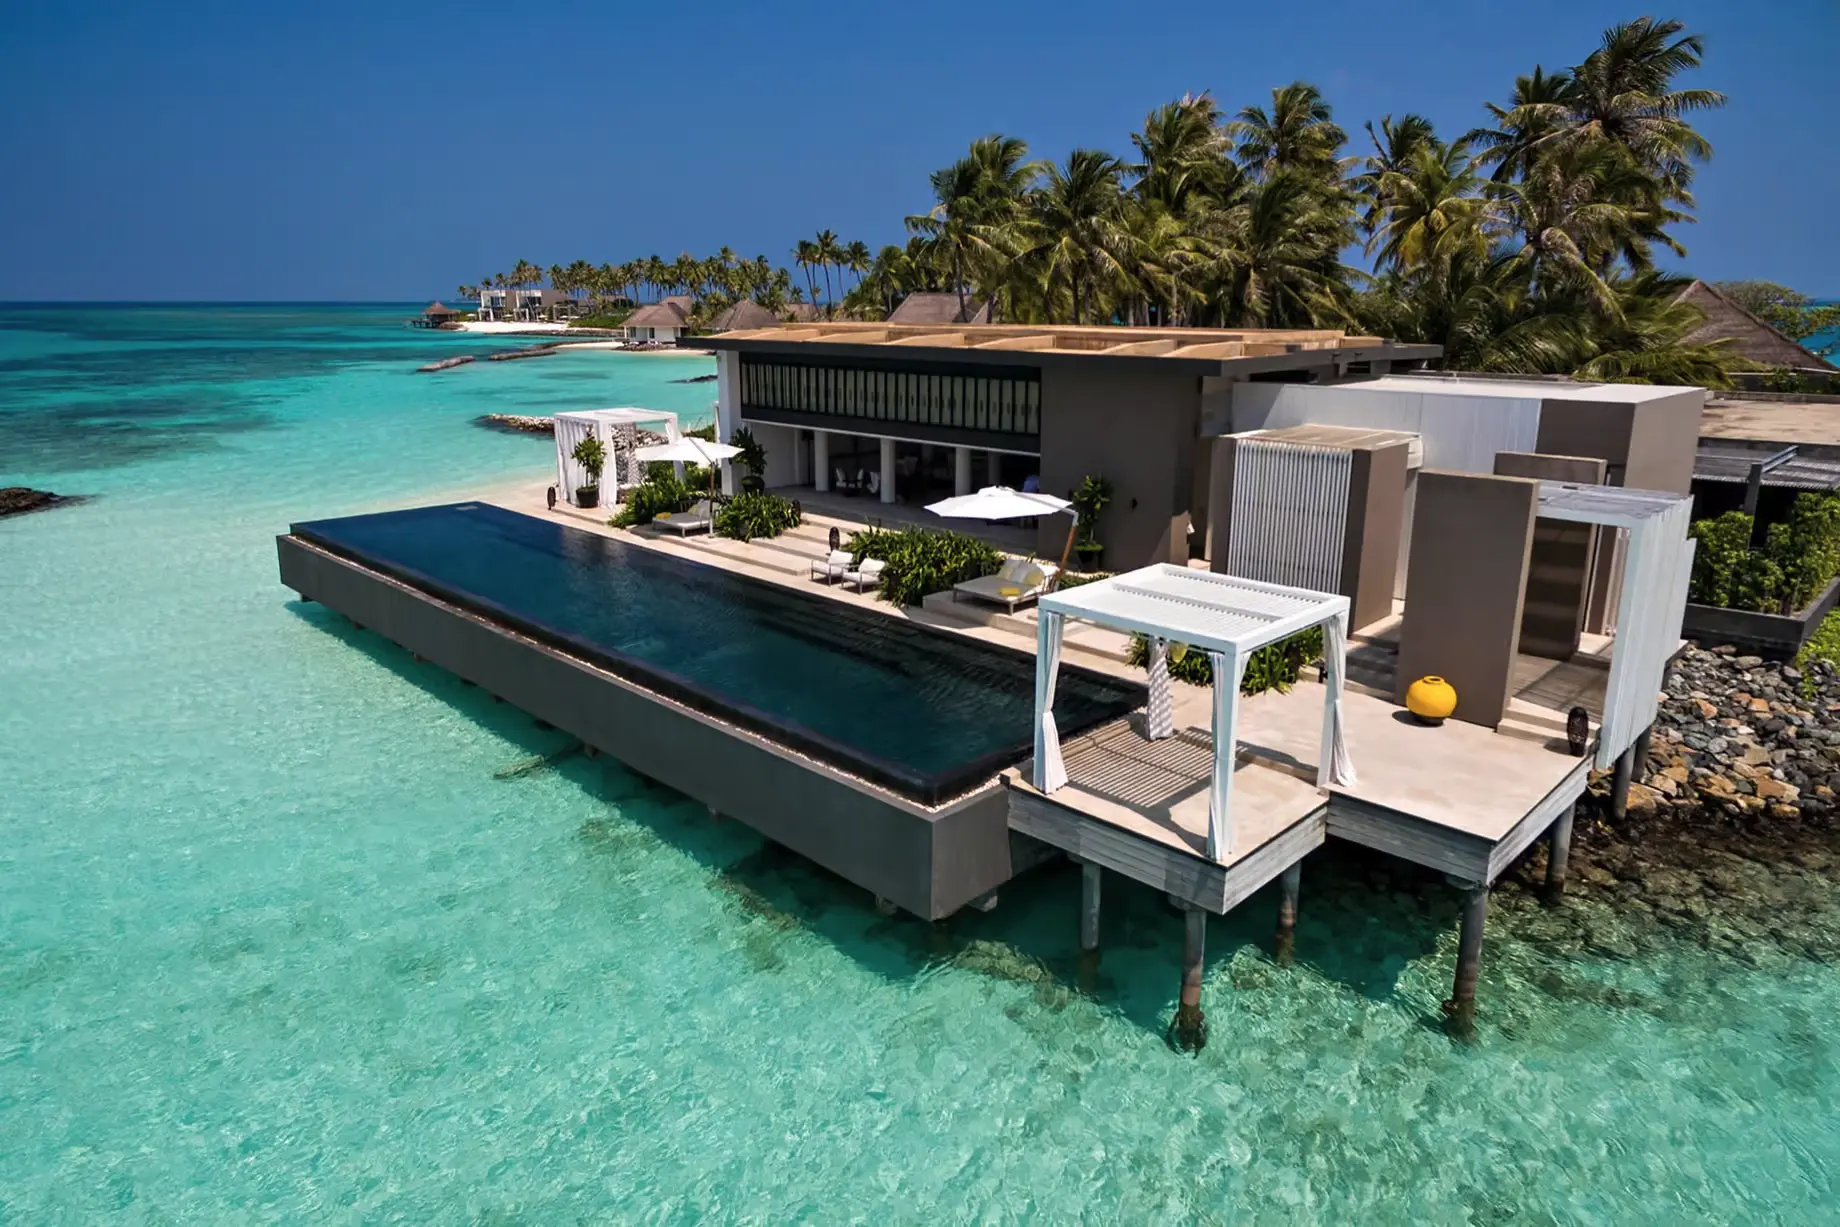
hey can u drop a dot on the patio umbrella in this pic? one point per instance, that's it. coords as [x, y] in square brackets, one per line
[1003, 503]
[691, 450]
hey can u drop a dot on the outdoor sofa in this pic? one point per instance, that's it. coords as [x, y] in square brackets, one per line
[700, 516]
[1017, 582]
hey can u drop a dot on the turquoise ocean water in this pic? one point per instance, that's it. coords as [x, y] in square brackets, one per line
[278, 944]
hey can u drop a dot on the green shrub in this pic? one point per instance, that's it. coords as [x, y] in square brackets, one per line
[1798, 558]
[1272, 667]
[923, 561]
[653, 496]
[750, 517]
[1075, 579]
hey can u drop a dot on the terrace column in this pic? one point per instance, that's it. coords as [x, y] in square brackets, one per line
[1188, 1030]
[961, 470]
[888, 492]
[1461, 1008]
[993, 468]
[821, 460]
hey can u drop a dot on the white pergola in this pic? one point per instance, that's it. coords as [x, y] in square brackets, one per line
[574, 425]
[1657, 565]
[1223, 615]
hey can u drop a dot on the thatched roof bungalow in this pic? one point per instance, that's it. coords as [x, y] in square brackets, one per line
[1749, 336]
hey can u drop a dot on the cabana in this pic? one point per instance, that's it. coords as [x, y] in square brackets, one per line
[1227, 617]
[618, 431]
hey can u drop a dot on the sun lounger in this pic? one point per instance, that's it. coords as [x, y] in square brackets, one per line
[1019, 581]
[831, 567]
[699, 517]
[867, 576]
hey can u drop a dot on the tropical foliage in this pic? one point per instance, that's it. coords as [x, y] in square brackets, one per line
[751, 517]
[1789, 312]
[1798, 558]
[1276, 666]
[660, 493]
[922, 561]
[1526, 245]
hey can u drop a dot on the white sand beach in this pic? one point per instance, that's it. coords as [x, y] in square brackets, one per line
[490, 326]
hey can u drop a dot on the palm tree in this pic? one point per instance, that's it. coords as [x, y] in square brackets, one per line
[1275, 261]
[971, 232]
[1429, 207]
[1182, 152]
[826, 251]
[805, 254]
[1396, 145]
[1535, 112]
[1076, 223]
[1622, 94]
[1296, 134]
[856, 258]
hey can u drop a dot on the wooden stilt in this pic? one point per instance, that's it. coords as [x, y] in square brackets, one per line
[1289, 884]
[1639, 767]
[1619, 784]
[1091, 876]
[1189, 1030]
[1558, 855]
[1461, 1008]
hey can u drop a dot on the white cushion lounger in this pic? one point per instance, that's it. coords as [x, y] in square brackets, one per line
[1017, 582]
[866, 576]
[686, 522]
[831, 567]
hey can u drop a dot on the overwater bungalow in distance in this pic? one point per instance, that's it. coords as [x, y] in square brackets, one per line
[1523, 541]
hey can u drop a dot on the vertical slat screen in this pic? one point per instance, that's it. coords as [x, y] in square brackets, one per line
[1290, 514]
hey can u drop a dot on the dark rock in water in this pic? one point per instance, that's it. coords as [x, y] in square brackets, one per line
[696, 379]
[17, 500]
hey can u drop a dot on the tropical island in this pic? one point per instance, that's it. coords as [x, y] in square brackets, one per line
[1527, 245]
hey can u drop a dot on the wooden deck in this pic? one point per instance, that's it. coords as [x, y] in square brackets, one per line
[1140, 808]
[1457, 798]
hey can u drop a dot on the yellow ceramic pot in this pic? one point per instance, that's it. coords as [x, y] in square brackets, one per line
[1431, 699]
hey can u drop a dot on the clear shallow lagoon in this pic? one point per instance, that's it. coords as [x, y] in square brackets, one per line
[277, 945]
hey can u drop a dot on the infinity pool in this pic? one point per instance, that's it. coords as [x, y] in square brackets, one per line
[922, 711]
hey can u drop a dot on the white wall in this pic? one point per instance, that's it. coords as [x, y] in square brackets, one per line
[1461, 432]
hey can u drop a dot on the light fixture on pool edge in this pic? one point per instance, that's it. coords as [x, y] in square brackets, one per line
[1431, 699]
[1577, 731]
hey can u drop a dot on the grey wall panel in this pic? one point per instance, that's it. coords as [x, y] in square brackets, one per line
[1471, 538]
[1560, 568]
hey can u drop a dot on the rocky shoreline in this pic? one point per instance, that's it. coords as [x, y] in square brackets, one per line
[517, 423]
[1743, 738]
[18, 500]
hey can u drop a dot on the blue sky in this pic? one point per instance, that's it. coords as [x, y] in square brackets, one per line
[189, 150]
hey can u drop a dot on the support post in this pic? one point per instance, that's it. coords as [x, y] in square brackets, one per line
[1639, 765]
[1558, 854]
[1289, 884]
[1189, 1030]
[993, 468]
[888, 491]
[1619, 784]
[1091, 878]
[821, 460]
[1461, 1008]
[961, 470]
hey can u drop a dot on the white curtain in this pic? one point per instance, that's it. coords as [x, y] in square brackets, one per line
[1050, 771]
[1229, 671]
[1336, 765]
[1159, 716]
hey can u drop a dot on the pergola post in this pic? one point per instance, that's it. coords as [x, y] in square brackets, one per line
[1050, 772]
[1229, 670]
[821, 460]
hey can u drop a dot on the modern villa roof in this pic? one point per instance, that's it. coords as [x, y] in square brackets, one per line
[1200, 351]
[666, 314]
[1750, 337]
[924, 307]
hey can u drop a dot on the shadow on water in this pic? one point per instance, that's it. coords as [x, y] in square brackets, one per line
[1363, 921]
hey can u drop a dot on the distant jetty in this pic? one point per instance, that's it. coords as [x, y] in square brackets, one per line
[17, 500]
[447, 364]
[516, 422]
[534, 351]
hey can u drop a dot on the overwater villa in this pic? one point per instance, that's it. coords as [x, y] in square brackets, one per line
[1496, 570]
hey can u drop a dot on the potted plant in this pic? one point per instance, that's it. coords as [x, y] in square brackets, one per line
[754, 456]
[1091, 498]
[590, 454]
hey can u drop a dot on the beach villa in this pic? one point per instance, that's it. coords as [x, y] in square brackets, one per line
[663, 322]
[1492, 573]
